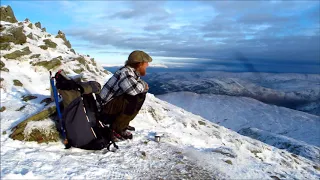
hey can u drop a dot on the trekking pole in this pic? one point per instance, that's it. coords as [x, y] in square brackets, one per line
[56, 99]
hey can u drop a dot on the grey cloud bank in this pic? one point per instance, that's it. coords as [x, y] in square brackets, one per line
[262, 31]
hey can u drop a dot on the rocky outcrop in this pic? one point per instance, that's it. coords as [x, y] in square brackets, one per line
[18, 53]
[53, 63]
[14, 35]
[37, 128]
[49, 43]
[38, 25]
[63, 37]
[7, 15]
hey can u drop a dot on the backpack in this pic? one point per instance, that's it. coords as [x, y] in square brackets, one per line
[80, 116]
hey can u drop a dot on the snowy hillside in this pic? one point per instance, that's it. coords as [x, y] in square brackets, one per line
[239, 113]
[294, 91]
[190, 147]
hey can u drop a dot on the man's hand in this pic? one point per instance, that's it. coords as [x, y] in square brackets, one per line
[146, 87]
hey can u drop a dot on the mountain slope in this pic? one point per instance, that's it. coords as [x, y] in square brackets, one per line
[190, 147]
[289, 90]
[281, 127]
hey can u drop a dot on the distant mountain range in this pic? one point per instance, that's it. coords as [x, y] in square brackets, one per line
[295, 91]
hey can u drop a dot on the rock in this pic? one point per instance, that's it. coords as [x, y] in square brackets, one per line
[38, 25]
[2, 67]
[202, 123]
[228, 161]
[30, 26]
[2, 28]
[3, 108]
[78, 71]
[53, 63]
[31, 129]
[46, 101]
[14, 35]
[44, 30]
[35, 56]
[44, 47]
[275, 177]
[63, 36]
[2, 64]
[5, 69]
[21, 108]
[6, 14]
[30, 36]
[72, 50]
[28, 97]
[18, 53]
[5, 46]
[93, 62]
[27, 20]
[81, 60]
[49, 43]
[16, 82]
[225, 151]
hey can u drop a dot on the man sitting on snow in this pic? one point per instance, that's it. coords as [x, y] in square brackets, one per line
[124, 94]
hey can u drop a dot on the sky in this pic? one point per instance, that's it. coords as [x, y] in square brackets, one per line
[179, 32]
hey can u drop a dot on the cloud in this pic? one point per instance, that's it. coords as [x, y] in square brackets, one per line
[262, 31]
[154, 27]
[140, 9]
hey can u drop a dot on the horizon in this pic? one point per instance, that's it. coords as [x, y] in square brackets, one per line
[186, 33]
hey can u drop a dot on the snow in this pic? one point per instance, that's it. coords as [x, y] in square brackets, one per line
[197, 150]
[237, 113]
[191, 147]
[280, 89]
[44, 126]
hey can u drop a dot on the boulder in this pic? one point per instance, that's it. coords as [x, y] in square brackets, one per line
[39, 128]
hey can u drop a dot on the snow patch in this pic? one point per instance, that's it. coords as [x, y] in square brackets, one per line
[45, 126]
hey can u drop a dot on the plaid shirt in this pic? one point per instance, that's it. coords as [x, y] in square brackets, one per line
[125, 80]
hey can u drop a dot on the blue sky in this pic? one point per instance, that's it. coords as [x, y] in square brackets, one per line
[177, 31]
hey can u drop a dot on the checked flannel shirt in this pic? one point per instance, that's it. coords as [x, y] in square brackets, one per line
[125, 80]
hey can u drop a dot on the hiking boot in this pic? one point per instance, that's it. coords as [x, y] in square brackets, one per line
[117, 137]
[130, 128]
[126, 134]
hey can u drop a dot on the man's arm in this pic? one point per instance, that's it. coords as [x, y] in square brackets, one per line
[131, 86]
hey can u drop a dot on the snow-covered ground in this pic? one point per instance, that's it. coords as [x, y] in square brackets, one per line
[273, 125]
[191, 147]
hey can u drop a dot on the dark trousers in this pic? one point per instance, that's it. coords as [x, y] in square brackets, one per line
[121, 110]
